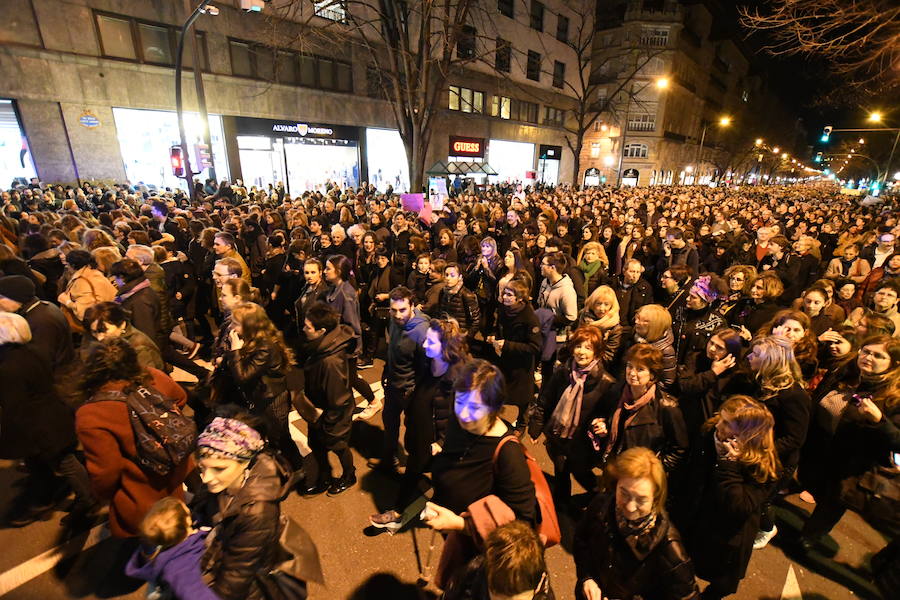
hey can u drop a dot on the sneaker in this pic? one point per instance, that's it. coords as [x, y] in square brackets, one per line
[370, 411]
[764, 537]
[365, 363]
[389, 520]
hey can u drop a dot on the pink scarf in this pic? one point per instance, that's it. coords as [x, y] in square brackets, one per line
[567, 415]
[631, 406]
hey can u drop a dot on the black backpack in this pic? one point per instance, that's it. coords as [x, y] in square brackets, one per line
[162, 435]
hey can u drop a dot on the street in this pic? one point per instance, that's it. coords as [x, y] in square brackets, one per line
[35, 564]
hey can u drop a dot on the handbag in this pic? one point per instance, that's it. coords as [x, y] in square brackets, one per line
[297, 561]
[874, 495]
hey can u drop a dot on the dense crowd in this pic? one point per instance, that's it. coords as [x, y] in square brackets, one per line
[706, 351]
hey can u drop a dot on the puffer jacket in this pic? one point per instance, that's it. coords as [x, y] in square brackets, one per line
[621, 569]
[462, 306]
[666, 345]
[246, 531]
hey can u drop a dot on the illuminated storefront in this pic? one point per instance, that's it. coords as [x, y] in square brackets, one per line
[15, 156]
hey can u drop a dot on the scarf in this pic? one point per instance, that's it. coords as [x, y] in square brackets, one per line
[589, 269]
[128, 294]
[630, 405]
[638, 534]
[567, 415]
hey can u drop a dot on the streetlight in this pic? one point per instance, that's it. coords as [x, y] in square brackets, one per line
[775, 150]
[862, 141]
[784, 155]
[724, 121]
[661, 83]
[875, 117]
[759, 141]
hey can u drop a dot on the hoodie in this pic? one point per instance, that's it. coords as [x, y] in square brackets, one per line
[178, 567]
[405, 354]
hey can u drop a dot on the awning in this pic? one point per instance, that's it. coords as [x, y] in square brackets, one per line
[460, 168]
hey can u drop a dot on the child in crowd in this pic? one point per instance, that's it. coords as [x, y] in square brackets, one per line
[170, 553]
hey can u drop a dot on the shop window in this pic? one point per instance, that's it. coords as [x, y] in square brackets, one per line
[504, 55]
[116, 39]
[642, 123]
[465, 45]
[500, 107]
[559, 74]
[506, 8]
[635, 150]
[466, 100]
[533, 67]
[554, 116]
[333, 10]
[595, 149]
[562, 29]
[537, 15]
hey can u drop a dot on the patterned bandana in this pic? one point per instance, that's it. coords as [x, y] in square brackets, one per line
[703, 288]
[231, 438]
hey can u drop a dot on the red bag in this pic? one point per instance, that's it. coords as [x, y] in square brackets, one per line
[548, 527]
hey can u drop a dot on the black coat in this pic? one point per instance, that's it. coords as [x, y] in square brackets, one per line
[632, 298]
[326, 381]
[246, 531]
[522, 335]
[51, 338]
[33, 420]
[790, 408]
[146, 311]
[700, 391]
[260, 375]
[721, 514]
[596, 386]
[623, 571]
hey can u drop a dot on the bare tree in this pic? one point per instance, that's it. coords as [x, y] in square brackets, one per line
[859, 38]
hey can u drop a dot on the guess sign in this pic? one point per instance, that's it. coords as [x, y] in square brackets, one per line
[466, 146]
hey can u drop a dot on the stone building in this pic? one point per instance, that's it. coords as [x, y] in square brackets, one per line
[87, 93]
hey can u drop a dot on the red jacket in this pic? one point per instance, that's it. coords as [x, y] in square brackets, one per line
[104, 430]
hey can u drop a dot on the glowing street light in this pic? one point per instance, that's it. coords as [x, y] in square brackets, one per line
[662, 83]
[775, 150]
[875, 117]
[784, 155]
[759, 141]
[862, 141]
[725, 121]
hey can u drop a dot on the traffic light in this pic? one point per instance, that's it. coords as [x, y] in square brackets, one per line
[827, 171]
[176, 157]
[818, 157]
[252, 5]
[826, 134]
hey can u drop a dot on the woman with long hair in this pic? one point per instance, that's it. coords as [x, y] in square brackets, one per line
[429, 411]
[601, 310]
[625, 544]
[761, 305]
[258, 360]
[481, 277]
[796, 327]
[593, 262]
[813, 303]
[866, 431]
[731, 472]
[514, 266]
[366, 272]
[776, 380]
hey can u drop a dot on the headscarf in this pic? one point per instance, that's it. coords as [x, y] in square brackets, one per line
[704, 289]
[231, 438]
[567, 414]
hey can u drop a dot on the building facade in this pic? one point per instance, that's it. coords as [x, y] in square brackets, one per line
[702, 126]
[87, 92]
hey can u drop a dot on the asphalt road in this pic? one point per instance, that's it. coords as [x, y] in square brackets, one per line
[359, 566]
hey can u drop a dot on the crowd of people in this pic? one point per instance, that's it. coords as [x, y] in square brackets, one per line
[705, 351]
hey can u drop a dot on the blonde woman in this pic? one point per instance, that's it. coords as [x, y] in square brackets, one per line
[732, 471]
[653, 325]
[593, 262]
[601, 310]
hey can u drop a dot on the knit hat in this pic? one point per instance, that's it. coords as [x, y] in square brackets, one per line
[230, 438]
[17, 288]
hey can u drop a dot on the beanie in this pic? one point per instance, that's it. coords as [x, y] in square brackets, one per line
[17, 288]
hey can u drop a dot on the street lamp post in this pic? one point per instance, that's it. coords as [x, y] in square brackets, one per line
[661, 83]
[179, 100]
[724, 122]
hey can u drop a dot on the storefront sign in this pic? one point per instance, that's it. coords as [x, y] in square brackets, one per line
[300, 129]
[550, 152]
[466, 146]
[89, 120]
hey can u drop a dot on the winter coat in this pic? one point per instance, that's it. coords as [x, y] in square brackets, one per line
[144, 305]
[157, 278]
[427, 416]
[180, 280]
[49, 264]
[326, 381]
[700, 391]
[721, 514]
[631, 298]
[309, 295]
[695, 331]
[178, 567]
[147, 353]
[259, 373]
[418, 283]
[344, 300]
[104, 430]
[658, 425]
[621, 570]
[666, 345]
[86, 288]
[247, 528]
[462, 306]
[562, 299]
[858, 271]
[33, 420]
[596, 386]
[405, 355]
[522, 345]
[51, 337]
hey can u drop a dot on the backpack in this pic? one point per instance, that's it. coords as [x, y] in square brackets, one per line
[548, 526]
[163, 436]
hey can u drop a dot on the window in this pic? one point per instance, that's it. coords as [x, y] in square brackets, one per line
[500, 107]
[506, 8]
[595, 149]
[504, 55]
[141, 41]
[333, 10]
[285, 66]
[465, 45]
[559, 74]
[533, 68]
[655, 37]
[635, 150]
[241, 59]
[466, 100]
[554, 116]
[745, 96]
[641, 123]
[516, 110]
[115, 37]
[537, 15]
[562, 29]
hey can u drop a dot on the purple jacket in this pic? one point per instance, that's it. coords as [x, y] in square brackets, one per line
[178, 567]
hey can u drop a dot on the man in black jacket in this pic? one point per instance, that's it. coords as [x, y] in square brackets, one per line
[632, 290]
[458, 301]
[327, 386]
[51, 338]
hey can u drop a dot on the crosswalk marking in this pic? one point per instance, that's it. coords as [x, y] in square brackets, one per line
[791, 590]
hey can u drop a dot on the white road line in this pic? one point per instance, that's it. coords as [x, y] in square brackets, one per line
[45, 561]
[791, 590]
